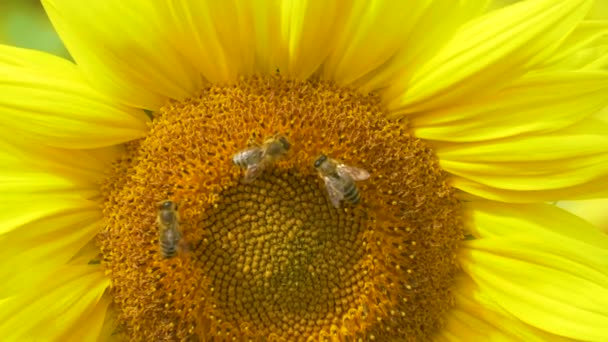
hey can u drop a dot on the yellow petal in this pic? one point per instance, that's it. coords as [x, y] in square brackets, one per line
[595, 188]
[126, 49]
[497, 4]
[35, 248]
[602, 115]
[476, 317]
[488, 53]
[46, 171]
[69, 302]
[89, 254]
[47, 100]
[531, 176]
[423, 35]
[215, 36]
[38, 168]
[563, 159]
[90, 327]
[494, 219]
[599, 10]
[373, 33]
[16, 182]
[109, 331]
[593, 211]
[554, 100]
[543, 265]
[21, 151]
[584, 48]
[27, 208]
[105, 314]
[295, 36]
[599, 59]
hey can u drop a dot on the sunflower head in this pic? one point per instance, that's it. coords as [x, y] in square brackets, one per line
[274, 257]
[267, 172]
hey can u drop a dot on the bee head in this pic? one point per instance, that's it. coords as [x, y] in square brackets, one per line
[168, 205]
[322, 158]
[284, 142]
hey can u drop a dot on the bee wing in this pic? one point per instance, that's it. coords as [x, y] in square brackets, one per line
[253, 172]
[250, 155]
[184, 246]
[355, 173]
[335, 194]
[178, 232]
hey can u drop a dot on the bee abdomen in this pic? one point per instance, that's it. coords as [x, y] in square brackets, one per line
[351, 193]
[167, 250]
[168, 244]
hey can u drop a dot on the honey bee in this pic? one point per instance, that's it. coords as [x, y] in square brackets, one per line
[256, 159]
[340, 179]
[169, 234]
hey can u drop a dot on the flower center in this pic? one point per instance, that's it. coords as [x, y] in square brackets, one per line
[275, 259]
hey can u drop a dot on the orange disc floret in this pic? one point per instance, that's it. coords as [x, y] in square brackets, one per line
[274, 259]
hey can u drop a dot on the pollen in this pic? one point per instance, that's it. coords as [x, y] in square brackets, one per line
[273, 259]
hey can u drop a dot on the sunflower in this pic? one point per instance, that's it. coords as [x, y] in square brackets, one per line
[469, 121]
[591, 210]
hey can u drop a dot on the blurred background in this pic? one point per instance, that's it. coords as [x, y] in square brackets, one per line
[23, 23]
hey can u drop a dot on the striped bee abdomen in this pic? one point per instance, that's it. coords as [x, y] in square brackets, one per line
[351, 193]
[168, 243]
